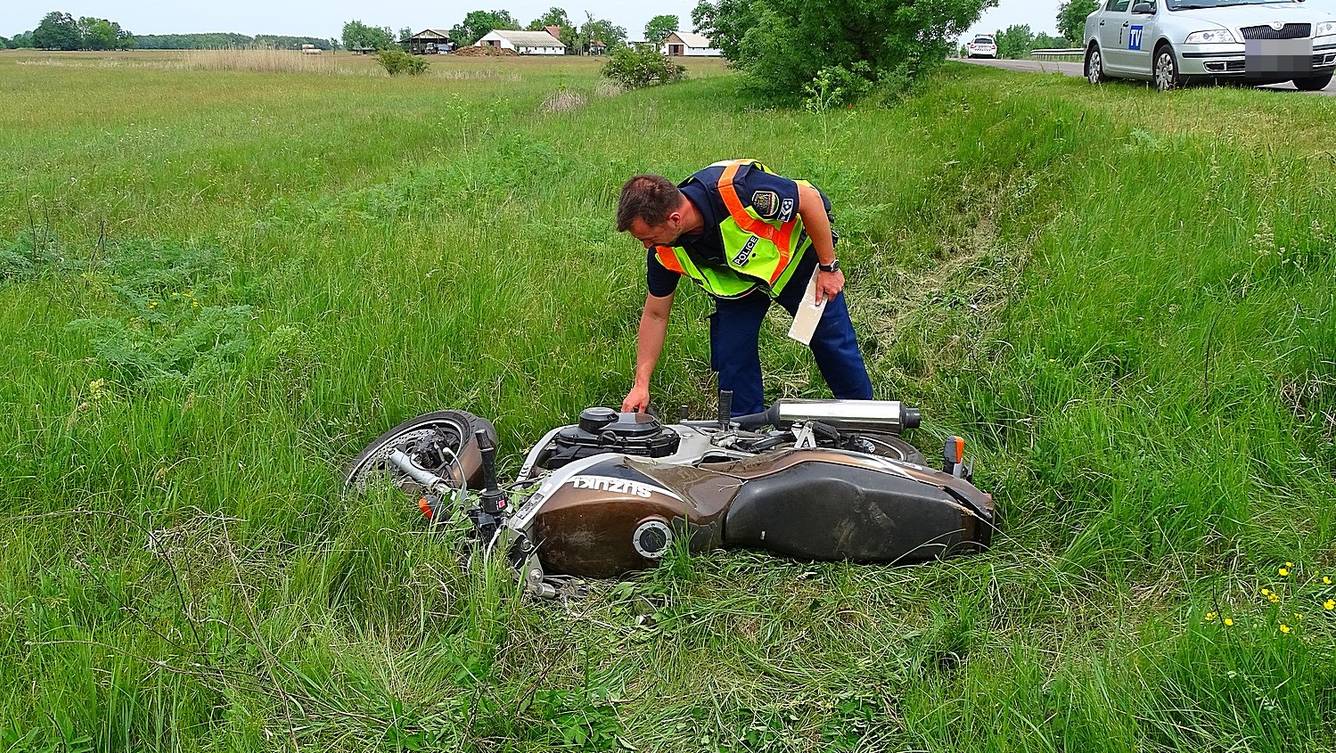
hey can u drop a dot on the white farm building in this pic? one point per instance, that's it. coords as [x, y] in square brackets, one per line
[689, 44]
[523, 42]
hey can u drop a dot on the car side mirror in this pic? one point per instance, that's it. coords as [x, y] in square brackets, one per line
[1145, 9]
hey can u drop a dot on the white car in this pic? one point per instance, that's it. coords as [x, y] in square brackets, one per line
[1175, 42]
[982, 46]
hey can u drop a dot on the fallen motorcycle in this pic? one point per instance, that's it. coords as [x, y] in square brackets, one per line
[615, 492]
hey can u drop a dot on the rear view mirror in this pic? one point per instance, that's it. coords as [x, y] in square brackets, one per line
[1147, 9]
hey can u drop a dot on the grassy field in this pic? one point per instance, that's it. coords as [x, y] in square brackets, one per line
[216, 285]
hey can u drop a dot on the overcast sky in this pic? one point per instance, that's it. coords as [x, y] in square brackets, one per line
[324, 18]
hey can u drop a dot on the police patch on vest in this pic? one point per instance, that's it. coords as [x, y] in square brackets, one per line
[745, 252]
[786, 210]
[766, 203]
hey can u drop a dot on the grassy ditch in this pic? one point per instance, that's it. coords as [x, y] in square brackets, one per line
[213, 292]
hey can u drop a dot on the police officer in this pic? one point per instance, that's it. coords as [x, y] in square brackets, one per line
[747, 236]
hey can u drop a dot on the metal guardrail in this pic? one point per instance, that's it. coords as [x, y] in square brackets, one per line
[1066, 53]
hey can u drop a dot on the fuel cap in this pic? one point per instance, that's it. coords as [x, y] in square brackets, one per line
[652, 538]
[593, 420]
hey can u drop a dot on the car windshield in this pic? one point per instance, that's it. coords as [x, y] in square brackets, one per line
[1197, 4]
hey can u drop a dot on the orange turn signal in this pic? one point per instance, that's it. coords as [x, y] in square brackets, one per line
[959, 448]
[425, 507]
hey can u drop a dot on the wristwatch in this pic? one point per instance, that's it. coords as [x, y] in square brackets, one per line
[833, 266]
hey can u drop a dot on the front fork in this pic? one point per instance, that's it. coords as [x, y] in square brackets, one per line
[488, 517]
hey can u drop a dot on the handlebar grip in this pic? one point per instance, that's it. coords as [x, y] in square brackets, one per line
[488, 452]
[725, 408]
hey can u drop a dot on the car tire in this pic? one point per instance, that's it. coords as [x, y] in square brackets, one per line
[1094, 65]
[1165, 69]
[1313, 83]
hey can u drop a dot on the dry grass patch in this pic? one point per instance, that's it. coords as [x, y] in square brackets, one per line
[266, 61]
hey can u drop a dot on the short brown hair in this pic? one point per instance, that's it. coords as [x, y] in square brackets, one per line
[647, 197]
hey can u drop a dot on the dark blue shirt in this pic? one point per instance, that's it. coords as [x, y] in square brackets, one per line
[774, 197]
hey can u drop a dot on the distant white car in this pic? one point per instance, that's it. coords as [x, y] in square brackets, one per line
[982, 46]
[1176, 42]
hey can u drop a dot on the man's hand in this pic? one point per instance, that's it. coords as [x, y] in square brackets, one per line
[636, 400]
[828, 284]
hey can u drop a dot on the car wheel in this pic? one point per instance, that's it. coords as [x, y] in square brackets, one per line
[1094, 66]
[1166, 69]
[1313, 84]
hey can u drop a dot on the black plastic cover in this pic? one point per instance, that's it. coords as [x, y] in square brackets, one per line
[825, 511]
[637, 434]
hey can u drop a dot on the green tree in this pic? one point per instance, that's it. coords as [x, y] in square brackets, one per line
[1071, 19]
[725, 22]
[1044, 41]
[553, 17]
[600, 30]
[358, 34]
[4, 44]
[57, 31]
[1016, 42]
[477, 23]
[774, 42]
[659, 28]
[21, 41]
[101, 34]
[404, 35]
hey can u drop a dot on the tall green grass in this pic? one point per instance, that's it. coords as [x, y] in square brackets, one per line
[217, 286]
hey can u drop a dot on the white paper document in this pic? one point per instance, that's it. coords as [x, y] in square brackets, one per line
[809, 313]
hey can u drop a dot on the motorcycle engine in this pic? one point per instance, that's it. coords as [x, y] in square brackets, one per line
[605, 430]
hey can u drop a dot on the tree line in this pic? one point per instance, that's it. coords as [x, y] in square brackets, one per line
[61, 31]
[579, 38]
[226, 40]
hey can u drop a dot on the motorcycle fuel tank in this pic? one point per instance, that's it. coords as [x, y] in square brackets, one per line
[607, 515]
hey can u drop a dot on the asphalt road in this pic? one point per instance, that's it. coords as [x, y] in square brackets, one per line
[1074, 69]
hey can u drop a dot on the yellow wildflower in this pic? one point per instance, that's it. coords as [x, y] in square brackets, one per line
[1266, 592]
[1284, 628]
[1210, 616]
[1229, 622]
[1289, 564]
[1326, 580]
[1329, 604]
[1273, 598]
[1284, 572]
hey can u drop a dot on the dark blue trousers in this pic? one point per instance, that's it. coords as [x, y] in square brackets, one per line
[734, 329]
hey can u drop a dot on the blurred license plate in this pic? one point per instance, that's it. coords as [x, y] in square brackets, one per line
[1278, 55]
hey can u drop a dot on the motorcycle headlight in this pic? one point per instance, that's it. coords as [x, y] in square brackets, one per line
[1213, 36]
[1325, 28]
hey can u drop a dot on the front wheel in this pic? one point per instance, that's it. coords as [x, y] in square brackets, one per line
[1167, 77]
[1094, 66]
[1313, 83]
[442, 442]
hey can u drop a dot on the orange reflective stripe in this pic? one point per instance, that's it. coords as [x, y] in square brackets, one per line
[735, 209]
[752, 225]
[668, 259]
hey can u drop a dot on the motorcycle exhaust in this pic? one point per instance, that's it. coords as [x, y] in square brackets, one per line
[887, 416]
